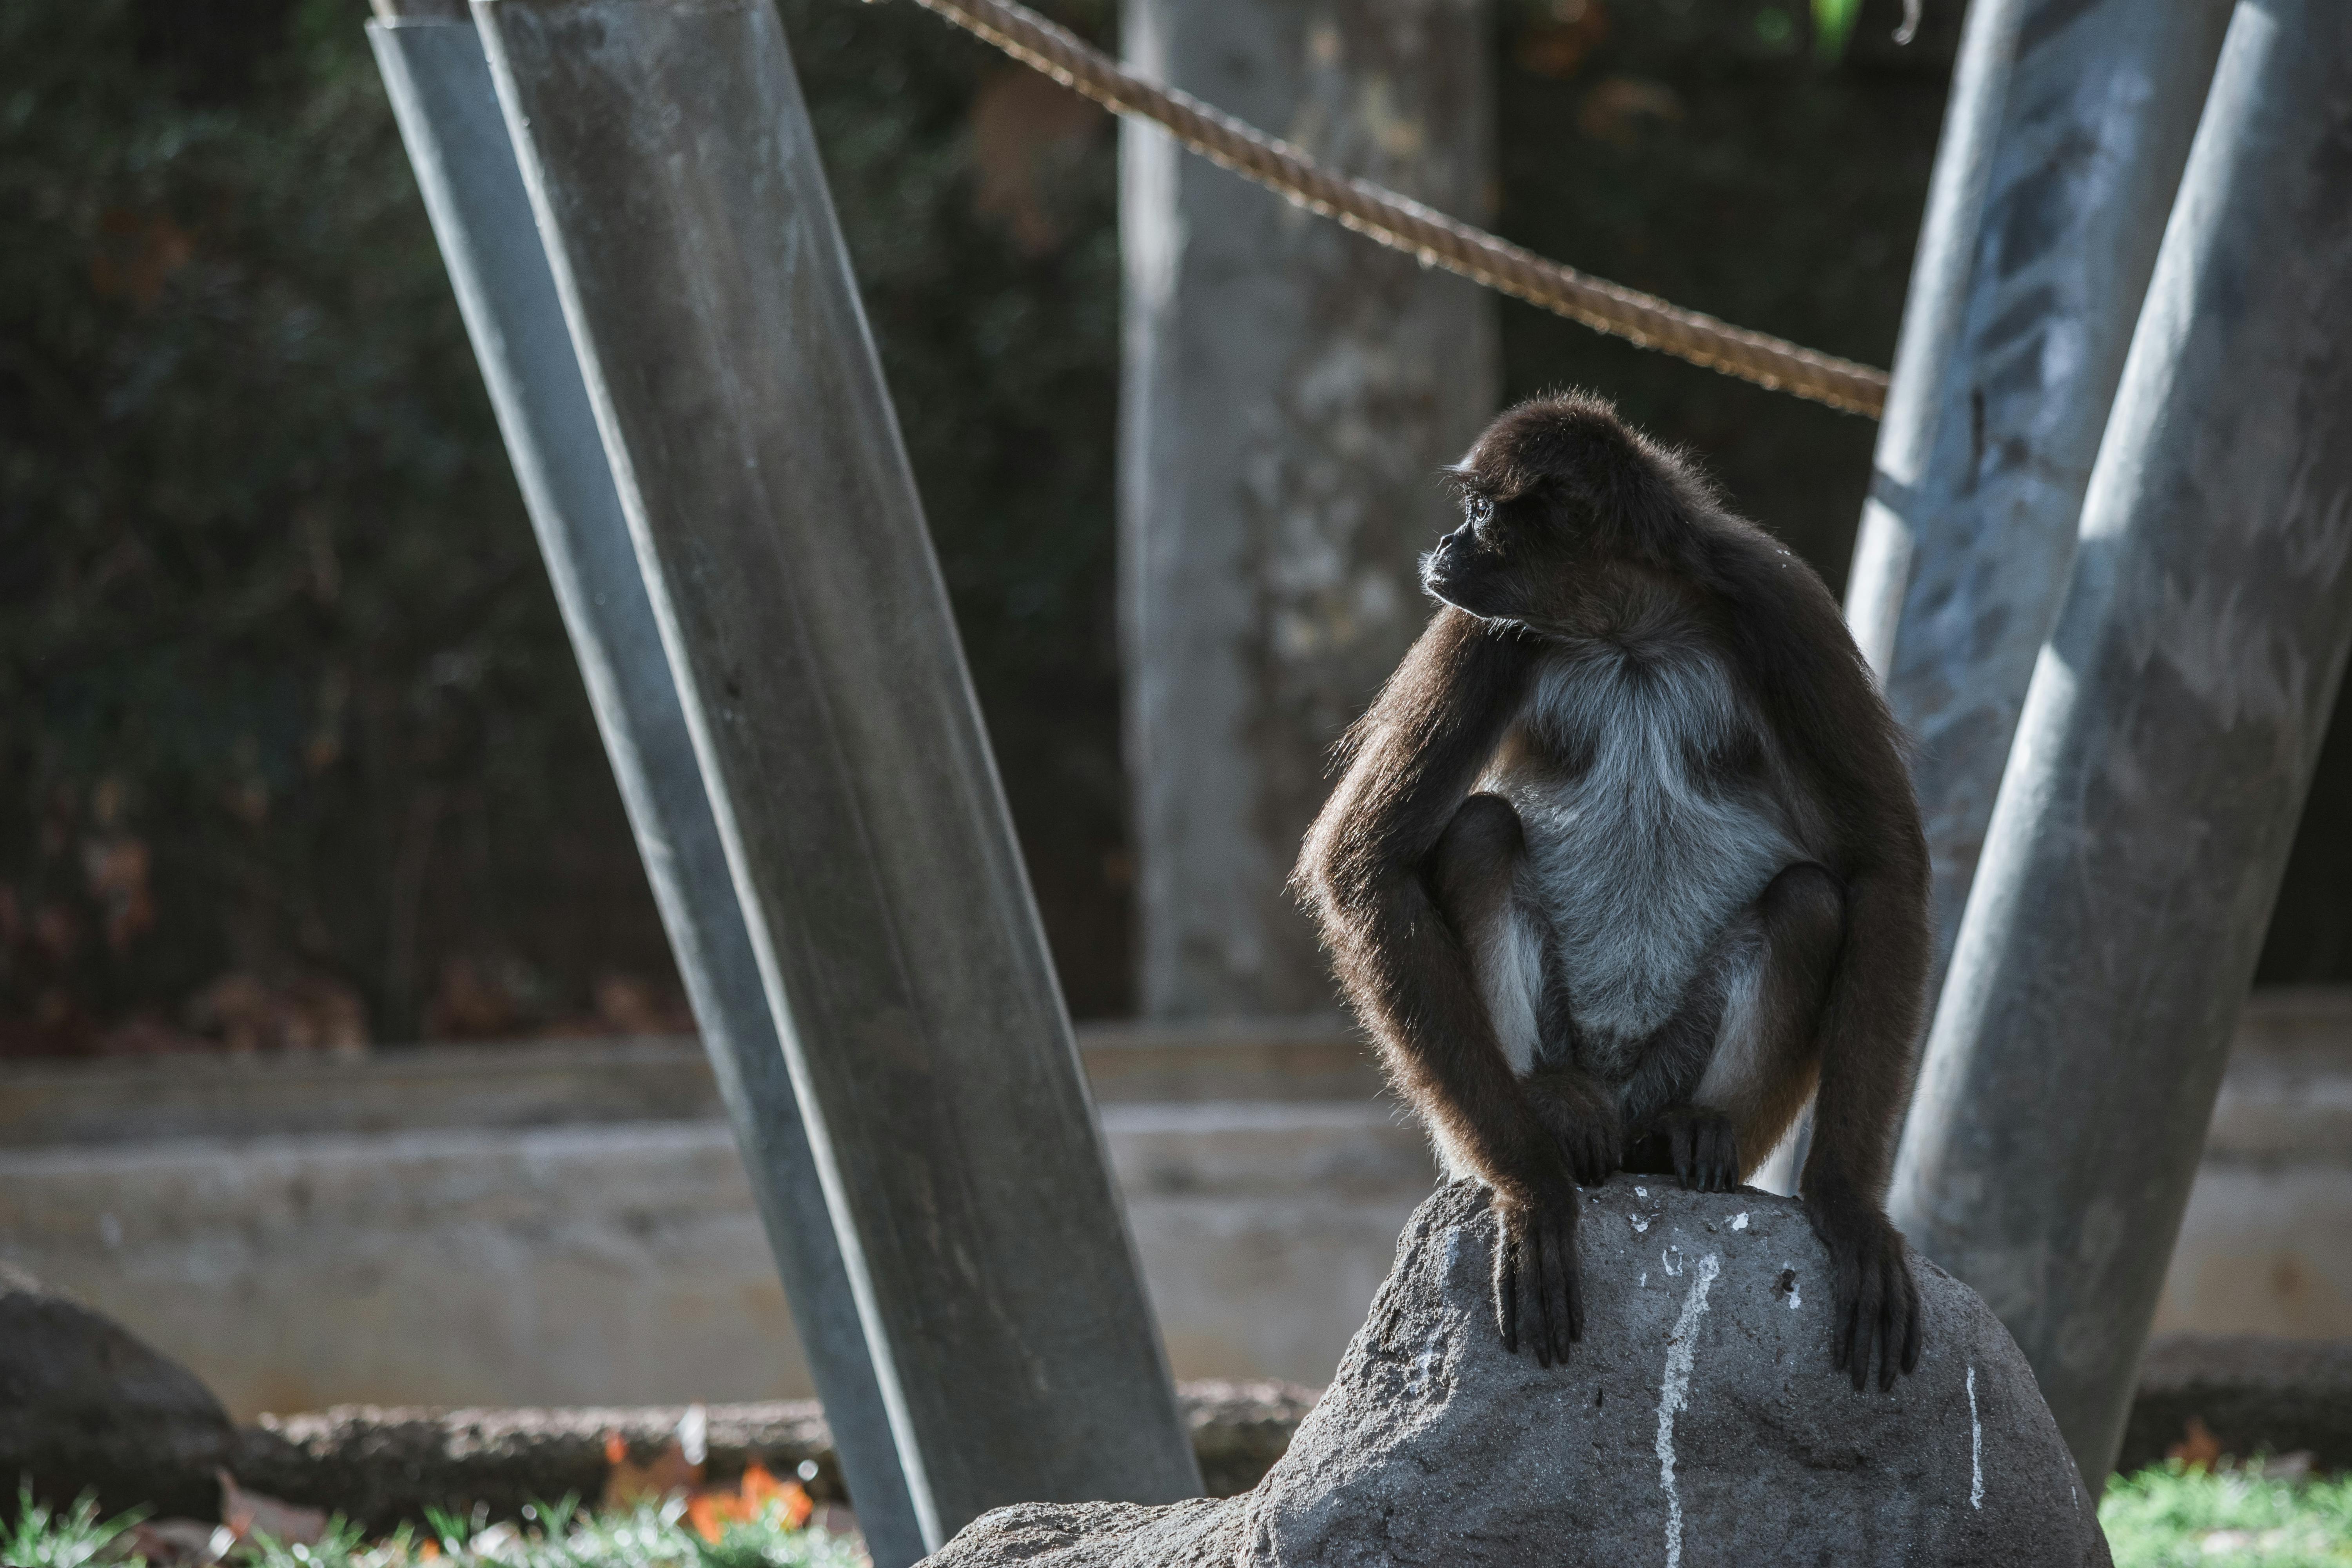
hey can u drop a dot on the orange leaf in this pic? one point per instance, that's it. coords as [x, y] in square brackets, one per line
[757, 1485]
[702, 1513]
[797, 1506]
[2198, 1448]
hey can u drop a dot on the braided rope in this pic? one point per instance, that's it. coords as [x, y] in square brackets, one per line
[1406, 225]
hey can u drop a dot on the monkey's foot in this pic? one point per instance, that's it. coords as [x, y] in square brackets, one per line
[1702, 1146]
[1583, 1121]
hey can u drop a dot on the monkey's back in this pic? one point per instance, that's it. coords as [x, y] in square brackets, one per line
[1645, 788]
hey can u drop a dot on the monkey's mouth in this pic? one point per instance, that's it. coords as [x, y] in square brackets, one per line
[1446, 576]
[1438, 567]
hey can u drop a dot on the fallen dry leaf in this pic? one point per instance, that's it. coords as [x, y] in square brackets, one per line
[627, 1483]
[2198, 1447]
[248, 1514]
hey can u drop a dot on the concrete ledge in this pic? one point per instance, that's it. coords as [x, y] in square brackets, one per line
[553, 1225]
[380, 1465]
[538, 1083]
[2255, 1395]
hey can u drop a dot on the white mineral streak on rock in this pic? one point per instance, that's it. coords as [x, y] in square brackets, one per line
[1674, 1397]
[1796, 1294]
[1432, 1350]
[1976, 1446]
[1740, 1220]
[1640, 1192]
[1670, 1258]
[1639, 1223]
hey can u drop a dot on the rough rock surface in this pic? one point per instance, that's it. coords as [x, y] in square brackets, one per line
[84, 1403]
[1700, 1423]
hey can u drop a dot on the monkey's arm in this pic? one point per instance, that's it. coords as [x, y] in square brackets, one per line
[1843, 741]
[1869, 1025]
[1413, 759]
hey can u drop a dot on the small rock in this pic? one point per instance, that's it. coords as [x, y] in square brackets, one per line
[84, 1404]
[1700, 1422]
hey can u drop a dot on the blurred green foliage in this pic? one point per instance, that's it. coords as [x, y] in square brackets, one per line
[287, 698]
[293, 748]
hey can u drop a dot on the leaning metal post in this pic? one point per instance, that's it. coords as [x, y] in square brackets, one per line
[442, 96]
[2165, 747]
[675, 176]
[2060, 152]
[2062, 147]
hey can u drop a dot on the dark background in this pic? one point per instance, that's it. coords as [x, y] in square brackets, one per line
[292, 750]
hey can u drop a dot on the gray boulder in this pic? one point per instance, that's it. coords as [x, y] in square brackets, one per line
[1700, 1423]
[87, 1405]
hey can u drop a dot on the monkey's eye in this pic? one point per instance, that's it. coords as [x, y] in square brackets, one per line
[1481, 510]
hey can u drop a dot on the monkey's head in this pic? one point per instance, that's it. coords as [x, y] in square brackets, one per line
[1554, 492]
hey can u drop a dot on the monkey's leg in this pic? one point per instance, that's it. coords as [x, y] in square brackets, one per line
[1473, 877]
[1750, 1024]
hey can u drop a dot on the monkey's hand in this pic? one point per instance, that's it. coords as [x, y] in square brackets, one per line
[1583, 1120]
[1537, 1286]
[1705, 1147]
[1877, 1301]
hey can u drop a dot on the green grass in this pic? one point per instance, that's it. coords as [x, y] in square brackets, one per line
[2168, 1517]
[2165, 1517]
[46, 1538]
[558, 1535]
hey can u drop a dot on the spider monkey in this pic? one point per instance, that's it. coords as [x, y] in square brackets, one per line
[1625, 862]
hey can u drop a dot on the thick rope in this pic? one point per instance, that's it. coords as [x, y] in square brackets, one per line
[1406, 225]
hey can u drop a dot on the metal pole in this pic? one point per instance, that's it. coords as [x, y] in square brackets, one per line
[442, 96]
[675, 176]
[2062, 148]
[2165, 749]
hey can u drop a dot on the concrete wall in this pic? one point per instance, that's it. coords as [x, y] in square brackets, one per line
[506, 1225]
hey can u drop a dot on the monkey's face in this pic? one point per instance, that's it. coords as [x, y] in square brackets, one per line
[1507, 562]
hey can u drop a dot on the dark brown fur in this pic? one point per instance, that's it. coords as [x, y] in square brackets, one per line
[1592, 529]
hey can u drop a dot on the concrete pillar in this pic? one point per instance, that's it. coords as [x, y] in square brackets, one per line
[2062, 144]
[1291, 391]
[448, 108]
[675, 177]
[2165, 747]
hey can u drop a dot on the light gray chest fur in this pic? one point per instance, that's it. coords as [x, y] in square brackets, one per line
[1637, 863]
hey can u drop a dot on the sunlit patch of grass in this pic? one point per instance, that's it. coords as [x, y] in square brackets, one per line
[41, 1537]
[2174, 1516]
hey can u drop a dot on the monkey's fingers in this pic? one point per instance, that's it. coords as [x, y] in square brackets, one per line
[1898, 1321]
[1893, 1313]
[1863, 1330]
[1556, 1327]
[1532, 1291]
[1706, 1149]
[1723, 1155]
[1506, 1292]
[1562, 1248]
[1912, 1329]
[1594, 1153]
[1852, 1316]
